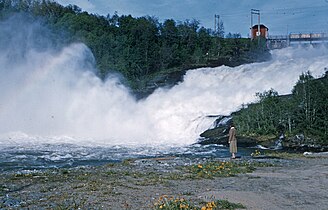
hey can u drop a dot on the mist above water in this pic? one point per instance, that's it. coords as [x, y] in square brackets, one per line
[50, 94]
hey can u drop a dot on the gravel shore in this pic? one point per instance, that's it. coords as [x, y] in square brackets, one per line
[293, 183]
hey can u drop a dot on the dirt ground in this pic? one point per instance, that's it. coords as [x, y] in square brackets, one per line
[302, 185]
[297, 183]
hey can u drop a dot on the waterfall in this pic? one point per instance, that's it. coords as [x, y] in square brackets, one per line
[54, 96]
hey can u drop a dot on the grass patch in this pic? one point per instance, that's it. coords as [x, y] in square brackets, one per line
[284, 155]
[224, 204]
[127, 162]
[224, 169]
[172, 203]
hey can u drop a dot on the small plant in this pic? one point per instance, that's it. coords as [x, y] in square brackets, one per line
[127, 162]
[218, 169]
[224, 204]
[209, 206]
[256, 153]
[170, 203]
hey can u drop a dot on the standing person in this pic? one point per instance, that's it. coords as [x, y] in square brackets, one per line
[232, 141]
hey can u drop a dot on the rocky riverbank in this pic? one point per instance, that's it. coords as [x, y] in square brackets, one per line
[296, 143]
[294, 182]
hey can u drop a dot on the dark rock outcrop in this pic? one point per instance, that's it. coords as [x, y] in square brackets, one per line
[301, 143]
[219, 134]
[223, 140]
[297, 143]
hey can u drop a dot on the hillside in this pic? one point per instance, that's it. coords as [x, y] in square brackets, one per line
[147, 53]
[300, 119]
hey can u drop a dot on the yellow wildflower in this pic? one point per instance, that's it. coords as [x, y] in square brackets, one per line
[213, 204]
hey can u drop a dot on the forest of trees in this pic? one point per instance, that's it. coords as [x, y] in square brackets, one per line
[139, 48]
[302, 112]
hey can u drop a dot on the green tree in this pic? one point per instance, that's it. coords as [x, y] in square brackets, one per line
[169, 45]
[305, 111]
[311, 99]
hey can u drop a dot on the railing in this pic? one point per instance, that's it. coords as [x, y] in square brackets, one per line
[282, 41]
[300, 36]
[277, 37]
[309, 36]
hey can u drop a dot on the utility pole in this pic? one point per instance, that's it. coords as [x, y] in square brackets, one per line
[287, 35]
[217, 24]
[258, 33]
[256, 12]
[214, 24]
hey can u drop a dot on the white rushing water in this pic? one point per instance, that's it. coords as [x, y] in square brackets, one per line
[53, 96]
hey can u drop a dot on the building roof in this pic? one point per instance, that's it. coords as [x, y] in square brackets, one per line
[261, 26]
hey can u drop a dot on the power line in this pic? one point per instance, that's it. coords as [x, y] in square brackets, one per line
[281, 11]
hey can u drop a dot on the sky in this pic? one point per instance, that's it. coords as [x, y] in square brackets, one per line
[280, 16]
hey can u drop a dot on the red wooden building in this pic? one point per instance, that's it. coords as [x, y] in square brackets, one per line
[263, 31]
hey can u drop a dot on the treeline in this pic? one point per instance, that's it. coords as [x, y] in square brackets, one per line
[139, 48]
[305, 111]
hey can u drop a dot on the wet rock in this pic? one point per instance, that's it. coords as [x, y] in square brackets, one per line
[8, 201]
[223, 140]
[220, 134]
